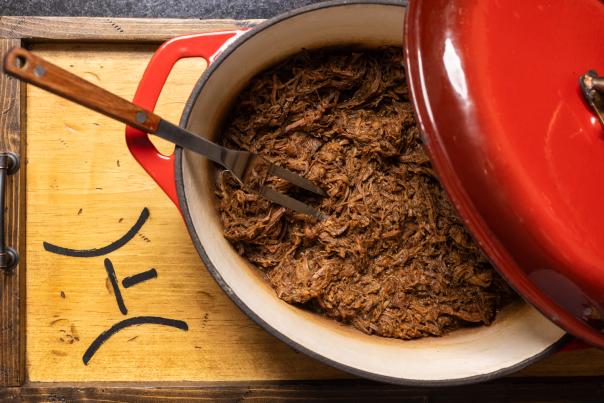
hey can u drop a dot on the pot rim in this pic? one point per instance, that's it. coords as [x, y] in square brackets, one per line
[180, 188]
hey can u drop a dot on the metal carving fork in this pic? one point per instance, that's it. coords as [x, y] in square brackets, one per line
[247, 167]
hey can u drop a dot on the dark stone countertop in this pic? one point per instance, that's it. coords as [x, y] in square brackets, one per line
[236, 9]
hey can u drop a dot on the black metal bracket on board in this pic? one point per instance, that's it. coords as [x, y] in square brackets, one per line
[9, 164]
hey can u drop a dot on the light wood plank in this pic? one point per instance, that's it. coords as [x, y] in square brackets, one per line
[12, 283]
[84, 191]
[110, 29]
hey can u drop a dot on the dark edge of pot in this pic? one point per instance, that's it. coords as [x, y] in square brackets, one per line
[251, 314]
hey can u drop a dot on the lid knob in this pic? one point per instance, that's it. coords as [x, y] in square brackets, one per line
[592, 86]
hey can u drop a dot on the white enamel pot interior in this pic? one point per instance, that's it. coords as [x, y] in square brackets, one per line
[520, 335]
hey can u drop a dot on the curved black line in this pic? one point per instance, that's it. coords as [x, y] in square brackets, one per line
[59, 250]
[138, 320]
[116, 288]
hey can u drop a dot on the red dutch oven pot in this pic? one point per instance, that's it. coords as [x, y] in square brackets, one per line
[485, 118]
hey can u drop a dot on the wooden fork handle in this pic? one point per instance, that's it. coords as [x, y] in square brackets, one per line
[30, 68]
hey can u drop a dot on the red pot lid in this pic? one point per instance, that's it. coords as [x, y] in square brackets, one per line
[496, 91]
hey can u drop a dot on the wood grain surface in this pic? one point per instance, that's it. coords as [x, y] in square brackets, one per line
[12, 283]
[85, 191]
[32, 69]
[110, 29]
[567, 390]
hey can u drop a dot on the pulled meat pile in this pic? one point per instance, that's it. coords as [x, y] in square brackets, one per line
[391, 257]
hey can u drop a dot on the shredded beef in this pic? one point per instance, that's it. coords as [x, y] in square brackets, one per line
[391, 257]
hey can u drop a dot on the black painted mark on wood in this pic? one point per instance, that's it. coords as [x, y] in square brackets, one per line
[116, 287]
[138, 320]
[59, 250]
[115, 26]
[139, 278]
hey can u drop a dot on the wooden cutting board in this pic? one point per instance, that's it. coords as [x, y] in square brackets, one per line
[84, 192]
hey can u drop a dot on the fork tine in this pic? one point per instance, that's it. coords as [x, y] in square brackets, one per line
[295, 179]
[289, 202]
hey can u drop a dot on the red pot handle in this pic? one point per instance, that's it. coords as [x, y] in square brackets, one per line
[161, 167]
